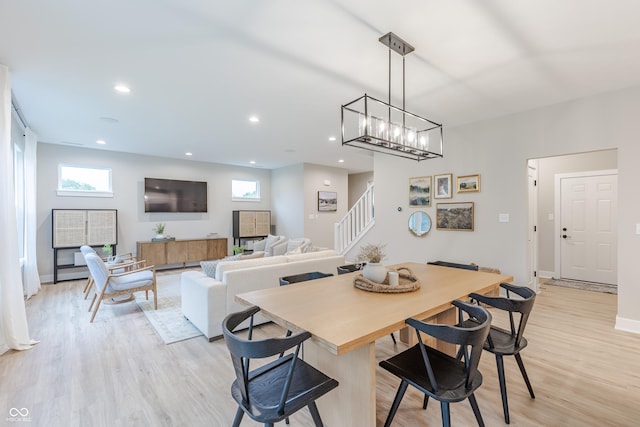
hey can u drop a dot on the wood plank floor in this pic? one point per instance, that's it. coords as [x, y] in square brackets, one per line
[118, 372]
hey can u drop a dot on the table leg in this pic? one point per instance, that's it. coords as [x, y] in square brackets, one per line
[448, 317]
[353, 402]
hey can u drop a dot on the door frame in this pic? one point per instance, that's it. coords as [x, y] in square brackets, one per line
[557, 211]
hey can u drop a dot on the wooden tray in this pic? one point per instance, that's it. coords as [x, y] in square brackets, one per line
[407, 283]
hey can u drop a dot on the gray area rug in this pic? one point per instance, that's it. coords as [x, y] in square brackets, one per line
[167, 320]
[587, 286]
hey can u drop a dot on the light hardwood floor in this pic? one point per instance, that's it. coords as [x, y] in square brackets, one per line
[118, 372]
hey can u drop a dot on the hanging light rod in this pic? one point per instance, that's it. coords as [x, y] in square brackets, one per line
[380, 126]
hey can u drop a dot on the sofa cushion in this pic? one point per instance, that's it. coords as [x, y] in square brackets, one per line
[311, 255]
[246, 263]
[252, 255]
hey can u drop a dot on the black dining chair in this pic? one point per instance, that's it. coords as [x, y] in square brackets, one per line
[438, 375]
[502, 342]
[351, 268]
[276, 390]
[303, 277]
[454, 265]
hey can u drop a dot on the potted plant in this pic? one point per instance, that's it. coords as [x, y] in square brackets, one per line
[373, 254]
[238, 249]
[107, 250]
[159, 229]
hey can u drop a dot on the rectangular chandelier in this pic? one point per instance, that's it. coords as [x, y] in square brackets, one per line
[379, 126]
[375, 125]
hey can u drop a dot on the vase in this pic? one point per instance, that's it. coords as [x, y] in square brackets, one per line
[375, 272]
[159, 236]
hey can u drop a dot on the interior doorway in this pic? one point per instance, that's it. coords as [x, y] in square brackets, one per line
[546, 261]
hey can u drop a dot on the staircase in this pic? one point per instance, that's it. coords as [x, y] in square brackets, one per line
[355, 223]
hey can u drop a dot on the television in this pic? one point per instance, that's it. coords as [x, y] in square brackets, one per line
[170, 195]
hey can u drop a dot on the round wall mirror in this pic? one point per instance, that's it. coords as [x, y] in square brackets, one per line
[419, 223]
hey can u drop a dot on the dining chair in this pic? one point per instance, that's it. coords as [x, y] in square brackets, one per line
[438, 375]
[303, 277]
[273, 391]
[350, 268]
[454, 265]
[503, 342]
[108, 284]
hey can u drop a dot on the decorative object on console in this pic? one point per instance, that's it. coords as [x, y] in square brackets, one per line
[159, 230]
[379, 126]
[374, 254]
[420, 191]
[107, 249]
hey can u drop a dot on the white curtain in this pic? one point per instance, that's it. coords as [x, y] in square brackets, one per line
[30, 276]
[14, 331]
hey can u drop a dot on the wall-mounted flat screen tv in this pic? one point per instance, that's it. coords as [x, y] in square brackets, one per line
[170, 195]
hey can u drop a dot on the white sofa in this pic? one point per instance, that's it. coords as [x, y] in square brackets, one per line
[207, 300]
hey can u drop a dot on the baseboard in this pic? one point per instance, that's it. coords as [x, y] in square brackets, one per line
[545, 274]
[627, 325]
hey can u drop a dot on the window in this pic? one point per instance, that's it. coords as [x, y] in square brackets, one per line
[245, 190]
[85, 181]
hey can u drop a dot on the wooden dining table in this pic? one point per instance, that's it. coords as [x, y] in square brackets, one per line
[345, 322]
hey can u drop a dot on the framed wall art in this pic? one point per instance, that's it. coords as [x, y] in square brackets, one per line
[454, 216]
[420, 191]
[442, 184]
[468, 184]
[327, 201]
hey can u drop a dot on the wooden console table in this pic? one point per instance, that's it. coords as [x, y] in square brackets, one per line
[181, 251]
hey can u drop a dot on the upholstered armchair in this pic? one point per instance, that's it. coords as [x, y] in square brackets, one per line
[119, 264]
[108, 284]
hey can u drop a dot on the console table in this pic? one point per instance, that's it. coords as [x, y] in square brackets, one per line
[181, 251]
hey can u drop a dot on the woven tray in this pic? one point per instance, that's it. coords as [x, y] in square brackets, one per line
[407, 283]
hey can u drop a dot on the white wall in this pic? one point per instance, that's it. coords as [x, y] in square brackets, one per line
[358, 184]
[498, 150]
[318, 226]
[129, 172]
[287, 188]
[548, 167]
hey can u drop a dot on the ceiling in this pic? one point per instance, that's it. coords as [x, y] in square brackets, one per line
[199, 69]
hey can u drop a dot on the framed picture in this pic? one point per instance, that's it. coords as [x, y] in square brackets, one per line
[327, 201]
[442, 183]
[468, 184]
[454, 216]
[420, 191]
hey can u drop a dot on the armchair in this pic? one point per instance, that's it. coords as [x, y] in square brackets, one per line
[120, 263]
[108, 284]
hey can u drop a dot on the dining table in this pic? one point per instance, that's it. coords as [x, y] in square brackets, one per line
[345, 322]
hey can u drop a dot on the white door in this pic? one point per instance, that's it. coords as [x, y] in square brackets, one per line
[588, 228]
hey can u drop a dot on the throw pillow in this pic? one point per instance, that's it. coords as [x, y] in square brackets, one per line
[297, 250]
[271, 240]
[209, 267]
[279, 249]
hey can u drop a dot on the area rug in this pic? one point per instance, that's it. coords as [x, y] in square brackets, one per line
[167, 320]
[587, 286]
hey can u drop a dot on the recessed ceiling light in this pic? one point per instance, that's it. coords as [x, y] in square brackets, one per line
[253, 162]
[188, 153]
[122, 88]
[101, 142]
[254, 119]
[332, 138]
[341, 161]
